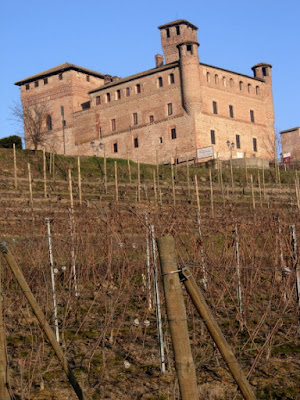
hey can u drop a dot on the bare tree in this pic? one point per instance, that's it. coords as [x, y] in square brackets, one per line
[36, 121]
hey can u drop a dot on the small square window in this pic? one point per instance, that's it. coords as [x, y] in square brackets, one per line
[88, 78]
[98, 100]
[189, 48]
[173, 133]
[254, 144]
[115, 147]
[160, 140]
[252, 116]
[127, 92]
[212, 137]
[231, 112]
[238, 141]
[135, 119]
[60, 76]
[170, 109]
[215, 107]
[151, 119]
[45, 81]
[27, 86]
[36, 83]
[113, 125]
[135, 142]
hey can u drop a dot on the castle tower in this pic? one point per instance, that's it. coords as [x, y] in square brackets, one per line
[263, 71]
[174, 33]
[190, 76]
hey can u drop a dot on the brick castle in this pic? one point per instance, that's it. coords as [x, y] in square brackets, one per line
[181, 109]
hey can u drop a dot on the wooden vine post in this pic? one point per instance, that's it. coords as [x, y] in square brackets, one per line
[15, 167]
[116, 181]
[41, 318]
[177, 319]
[4, 395]
[45, 174]
[71, 189]
[30, 184]
[197, 193]
[79, 181]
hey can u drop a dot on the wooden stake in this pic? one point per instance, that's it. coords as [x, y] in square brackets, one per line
[231, 173]
[116, 181]
[45, 173]
[79, 181]
[259, 188]
[30, 185]
[252, 191]
[246, 169]
[296, 263]
[157, 303]
[4, 395]
[221, 181]
[238, 272]
[129, 170]
[197, 193]
[203, 264]
[15, 166]
[139, 182]
[41, 318]
[71, 189]
[105, 171]
[177, 319]
[264, 186]
[173, 184]
[53, 164]
[211, 195]
[188, 177]
[154, 187]
[148, 265]
[199, 302]
[51, 263]
[73, 258]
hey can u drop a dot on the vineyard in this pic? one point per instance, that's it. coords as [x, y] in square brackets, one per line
[236, 229]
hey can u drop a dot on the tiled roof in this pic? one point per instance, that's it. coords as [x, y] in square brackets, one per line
[136, 76]
[60, 68]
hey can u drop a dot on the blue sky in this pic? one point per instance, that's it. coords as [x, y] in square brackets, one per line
[121, 38]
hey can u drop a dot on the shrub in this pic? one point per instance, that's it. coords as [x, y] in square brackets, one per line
[8, 142]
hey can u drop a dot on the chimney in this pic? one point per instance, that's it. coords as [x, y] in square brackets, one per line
[159, 60]
[107, 79]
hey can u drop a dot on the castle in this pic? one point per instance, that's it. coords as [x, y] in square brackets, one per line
[180, 110]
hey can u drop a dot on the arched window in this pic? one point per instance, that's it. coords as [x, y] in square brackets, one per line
[208, 77]
[49, 122]
[241, 84]
[257, 90]
[249, 88]
[216, 79]
[231, 83]
[224, 81]
[160, 82]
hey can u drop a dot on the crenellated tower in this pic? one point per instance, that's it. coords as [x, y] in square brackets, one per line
[174, 33]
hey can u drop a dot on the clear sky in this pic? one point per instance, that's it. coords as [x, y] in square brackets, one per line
[120, 37]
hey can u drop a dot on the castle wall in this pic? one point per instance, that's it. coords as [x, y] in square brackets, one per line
[290, 141]
[154, 137]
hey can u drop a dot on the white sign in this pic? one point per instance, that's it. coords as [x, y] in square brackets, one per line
[286, 155]
[205, 152]
[239, 154]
